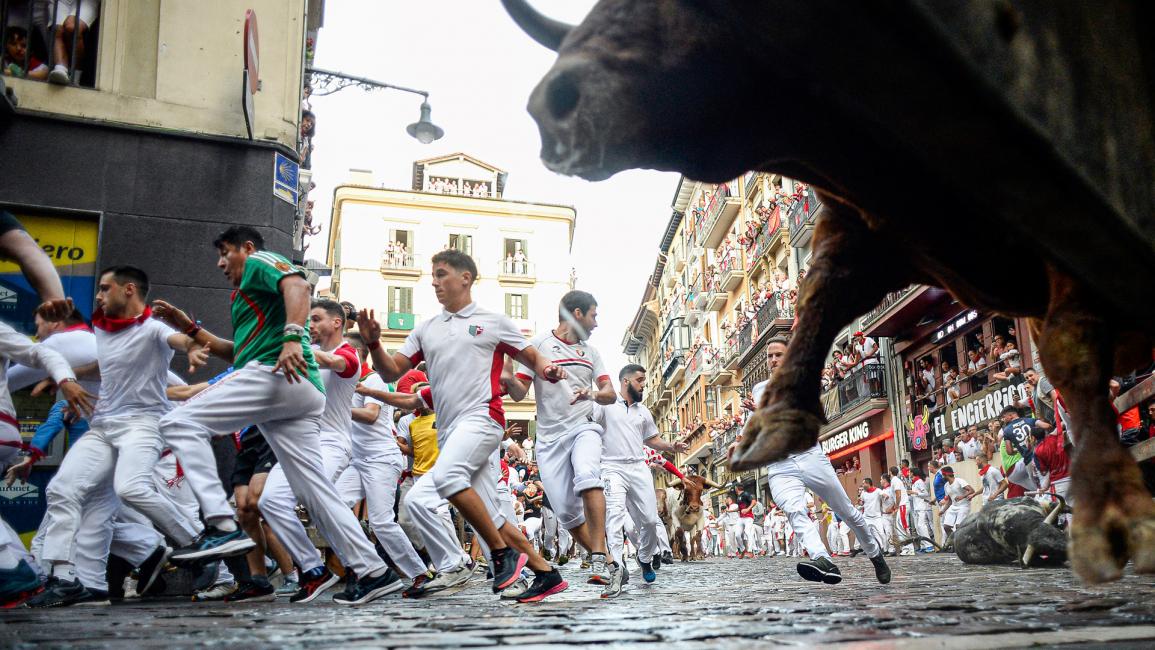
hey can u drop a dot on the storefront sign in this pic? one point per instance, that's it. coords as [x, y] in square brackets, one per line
[980, 407]
[955, 324]
[846, 437]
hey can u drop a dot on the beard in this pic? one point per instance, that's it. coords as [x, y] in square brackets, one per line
[635, 394]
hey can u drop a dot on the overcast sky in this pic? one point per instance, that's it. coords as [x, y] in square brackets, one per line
[479, 70]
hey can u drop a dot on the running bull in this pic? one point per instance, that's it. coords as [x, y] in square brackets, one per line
[684, 500]
[1002, 531]
[1026, 125]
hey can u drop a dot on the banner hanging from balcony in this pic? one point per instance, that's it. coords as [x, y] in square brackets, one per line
[979, 407]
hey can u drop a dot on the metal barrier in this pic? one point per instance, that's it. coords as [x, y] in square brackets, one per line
[49, 32]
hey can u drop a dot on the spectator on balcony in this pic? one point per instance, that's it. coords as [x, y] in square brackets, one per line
[950, 381]
[307, 98]
[827, 378]
[927, 381]
[16, 55]
[308, 129]
[998, 346]
[968, 444]
[72, 20]
[1010, 361]
[1041, 395]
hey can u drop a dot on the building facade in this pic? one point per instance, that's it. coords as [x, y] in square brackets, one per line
[382, 242]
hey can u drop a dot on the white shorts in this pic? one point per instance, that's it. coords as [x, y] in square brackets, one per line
[569, 466]
[956, 513]
[465, 461]
[89, 11]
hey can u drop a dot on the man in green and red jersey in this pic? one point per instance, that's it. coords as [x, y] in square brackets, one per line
[277, 387]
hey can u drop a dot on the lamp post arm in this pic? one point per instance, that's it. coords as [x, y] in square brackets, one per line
[327, 82]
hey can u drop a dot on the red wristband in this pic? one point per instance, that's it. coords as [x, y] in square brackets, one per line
[374, 345]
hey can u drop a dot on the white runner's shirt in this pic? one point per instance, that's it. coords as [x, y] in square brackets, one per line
[627, 427]
[991, 480]
[404, 434]
[377, 439]
[76, 344]
[920, 495]
[340, 387]
[17, 347]
[868, 346]
[888, 497]
[872, 502]
[898, 485]
[464, 354]
[134, 370]
[956, 491]
[584, 367]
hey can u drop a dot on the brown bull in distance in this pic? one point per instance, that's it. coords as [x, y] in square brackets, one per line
[684, 500]
[1027, 127]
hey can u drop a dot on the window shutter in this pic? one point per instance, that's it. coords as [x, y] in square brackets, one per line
[525, 305]
[407, 300]
[508, 306]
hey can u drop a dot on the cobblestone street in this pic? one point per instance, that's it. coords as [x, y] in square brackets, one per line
[933, 602]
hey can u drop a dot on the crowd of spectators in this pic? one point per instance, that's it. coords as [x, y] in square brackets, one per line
[844, 360]
[459, 187]
[49, 40]
[941, 386]
[398, 255]
[516, 263]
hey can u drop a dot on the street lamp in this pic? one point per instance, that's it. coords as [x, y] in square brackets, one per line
[326, 82]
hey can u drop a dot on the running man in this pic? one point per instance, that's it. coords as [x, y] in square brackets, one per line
[116, 460]
[789, 479]
[569, 445]
[277, 387]
[629, 428]
[463, 348]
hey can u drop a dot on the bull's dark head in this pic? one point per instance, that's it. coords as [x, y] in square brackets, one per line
[692, 488]
[657, 85]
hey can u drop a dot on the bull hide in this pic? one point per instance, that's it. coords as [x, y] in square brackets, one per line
[1002, 530]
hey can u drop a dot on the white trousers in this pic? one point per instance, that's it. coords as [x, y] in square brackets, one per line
[121, 454]
[789, 480]
[833, 539]
[630, 491]
[403, 518]
[569, 466]
[662, 535]
[923, 527]
[532, 526]
[429, 514]
[349, 486]
[287, 414]
[379, 476]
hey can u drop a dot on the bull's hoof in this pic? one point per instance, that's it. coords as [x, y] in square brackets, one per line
[772, 434]
[1103, 539]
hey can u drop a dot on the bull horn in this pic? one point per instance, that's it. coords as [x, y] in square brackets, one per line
[676, 484]
[544, 30]
[710, 483]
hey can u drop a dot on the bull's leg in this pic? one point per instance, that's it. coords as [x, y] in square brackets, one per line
[852, 271]
[1114, 518]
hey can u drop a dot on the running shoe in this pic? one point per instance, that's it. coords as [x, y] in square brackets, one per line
[656, 562]
[648, 573]
[507, 566]
[288, 588]
[219, 591]
[546, 554]
[614, 588]
[313, 583]
[214, 544]
[418, 588]
[350, 585]
[820, 570]
[18, 584]
[450, 579]
[544, 585]
[562, 559]
[370, 588]
[151, 569]
[66, 593]
[516, 589]
[253, 591]
[599, 573]
[668, 558]
[881, 571]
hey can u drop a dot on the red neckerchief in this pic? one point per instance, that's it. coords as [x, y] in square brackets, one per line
[114, 325]
[905, 472]
[871, 489]
[983, 471]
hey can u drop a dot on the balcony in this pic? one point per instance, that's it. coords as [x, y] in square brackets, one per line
[673, 346]
[801, 216]
[716, 297]
[720, 213]
[674, 368]
[731, 272]
[722, 443]
[866, 384]
[772, 229]
[694, 317]
[718, 373]
[891, 299]
[400, 321]
[513, 272]
[400, 265]
[730, 354]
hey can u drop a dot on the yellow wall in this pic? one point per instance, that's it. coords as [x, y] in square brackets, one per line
[177, 64]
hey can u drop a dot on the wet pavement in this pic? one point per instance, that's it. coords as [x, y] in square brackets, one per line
[933, 602]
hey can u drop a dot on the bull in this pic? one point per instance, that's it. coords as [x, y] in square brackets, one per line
[684, 500]
[1027, 124]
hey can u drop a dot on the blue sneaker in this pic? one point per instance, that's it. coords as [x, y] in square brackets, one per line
[214, 544]
[648, 573]
[17, 585]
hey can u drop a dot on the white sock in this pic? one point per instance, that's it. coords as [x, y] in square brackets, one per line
[226, 524]
[64, 571]
[61, 67]
[8, 559]
[293, 576]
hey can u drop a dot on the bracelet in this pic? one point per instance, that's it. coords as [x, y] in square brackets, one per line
[292, 329]
[291, 338]
[374, 345]
[193, 329]
[65, 381]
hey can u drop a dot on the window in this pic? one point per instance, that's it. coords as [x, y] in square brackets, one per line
[401, 300]
[515, 257]
[463, 243]
[517, 305]
[403, 237]
[30, 31]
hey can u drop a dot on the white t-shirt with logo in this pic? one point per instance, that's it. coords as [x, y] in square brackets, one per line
[584, 367]
[464, 354]
[377, 439]
[627, 427]
[133, 370]
[957, 490]
[337, 418]
[872, 503]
